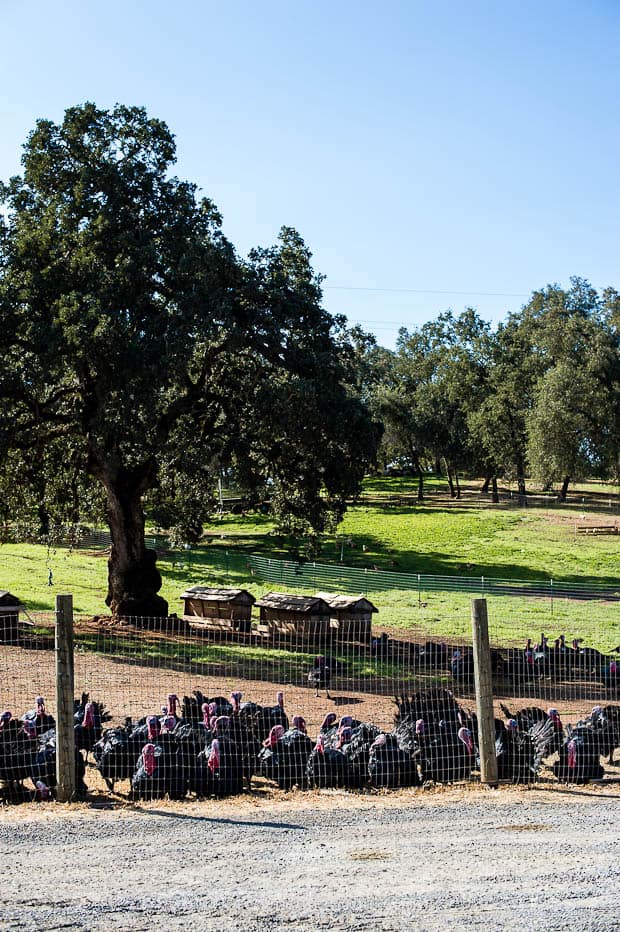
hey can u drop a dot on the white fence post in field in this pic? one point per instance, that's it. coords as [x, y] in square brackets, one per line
[65, 740]
[484, 691]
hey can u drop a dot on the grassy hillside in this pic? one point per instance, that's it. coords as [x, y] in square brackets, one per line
[435, 538]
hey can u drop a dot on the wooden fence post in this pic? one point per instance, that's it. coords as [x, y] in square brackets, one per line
[484, 692]
[65, 740]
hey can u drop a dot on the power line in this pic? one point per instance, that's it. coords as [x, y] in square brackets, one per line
[486, 294]
[380, 324]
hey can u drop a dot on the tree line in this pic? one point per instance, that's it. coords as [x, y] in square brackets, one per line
[536, 397]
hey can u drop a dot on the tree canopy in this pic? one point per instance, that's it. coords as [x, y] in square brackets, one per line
[537, 396]
[140, 352]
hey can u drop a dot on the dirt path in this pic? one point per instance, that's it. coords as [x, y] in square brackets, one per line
[409, 861]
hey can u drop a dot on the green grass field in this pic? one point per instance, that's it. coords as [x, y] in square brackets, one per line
[435, 539]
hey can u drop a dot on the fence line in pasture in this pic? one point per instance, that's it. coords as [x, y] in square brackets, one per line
[74, 536]
[311, 575]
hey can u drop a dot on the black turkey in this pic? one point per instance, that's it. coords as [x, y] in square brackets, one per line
[462, 666]
[580, 757]
[357, 751]
[158, 774]
[448, 755]
[244, 731]
[320, 675]
[18, 751]
[530, 716]
[520, 752]
[604, 723]
[89, 729]
[192, 737]
[431, 725]
[329, 727]
[327, 766]
[115, 755]
[284, 759]
[389, 766]
[41, 718]
[44, 764]
[172, 703]
[268, 760]
[270, 716]
[219, 768]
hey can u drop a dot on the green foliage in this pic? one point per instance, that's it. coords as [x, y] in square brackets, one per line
[562, 425]
[572, 422]
[140, 348]
[538, 396]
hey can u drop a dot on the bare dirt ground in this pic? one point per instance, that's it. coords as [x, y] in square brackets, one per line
[138, 689]
[439, 860]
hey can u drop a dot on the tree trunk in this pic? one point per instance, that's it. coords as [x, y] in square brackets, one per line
[564, 489]
[457, 484]
[415, 461]
[44, 520]
[495, 493]
[521, 480]
[74, 514]
[133, 578]
[437, 466]
[485, 485]
[450, 480]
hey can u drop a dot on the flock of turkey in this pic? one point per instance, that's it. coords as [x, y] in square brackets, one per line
[538, 661]
[214, 746]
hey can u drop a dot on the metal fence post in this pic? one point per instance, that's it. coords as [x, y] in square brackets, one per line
[484, 691]
[65, 741]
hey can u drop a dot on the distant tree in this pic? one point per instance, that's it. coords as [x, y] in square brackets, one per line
[496, 413]
[437, 372]
[562, 427]
[572, 423]
[610, 312]
[139, 351]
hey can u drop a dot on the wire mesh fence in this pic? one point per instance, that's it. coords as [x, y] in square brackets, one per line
[312, 575]
[176, 706]
[558, 695]
[71, 536]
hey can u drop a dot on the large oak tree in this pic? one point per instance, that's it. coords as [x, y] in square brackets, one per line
[141, 352]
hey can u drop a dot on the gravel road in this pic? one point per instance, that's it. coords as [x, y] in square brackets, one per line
[453, 859]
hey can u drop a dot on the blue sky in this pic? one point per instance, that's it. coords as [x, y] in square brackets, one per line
[464, 151]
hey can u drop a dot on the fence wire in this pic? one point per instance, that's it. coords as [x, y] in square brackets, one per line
[176, 707]
[311, 575]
